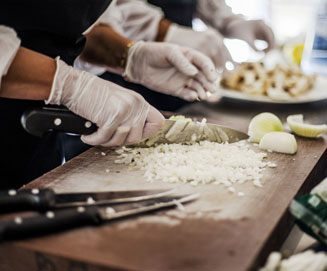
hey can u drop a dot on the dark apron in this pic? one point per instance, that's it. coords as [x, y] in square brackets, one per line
[54, 28]
[178, 11]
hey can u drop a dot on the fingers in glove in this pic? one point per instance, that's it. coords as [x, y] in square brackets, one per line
[261, 32]
[119, 137]
[188, 94]
[135, 134]
[208, 86]
[202, 62]
[227, 56]
[250, 41]
[101, 136]
[178, 60]
[213, 98]
[268, 36]
[221, 57]
[153, 123]
[197, 87]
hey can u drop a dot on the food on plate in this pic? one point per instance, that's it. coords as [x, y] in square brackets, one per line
[305, 129]
[279, 83]
[263, 123]
[247, 77]
[279, 142]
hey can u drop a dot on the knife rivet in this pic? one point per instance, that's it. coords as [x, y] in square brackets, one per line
[18, 220]
[88, 124]
[110, 211]
[50, 214]
[12, 192]
[90, 200]
[80, 209]
[35, 191]
[57, 121]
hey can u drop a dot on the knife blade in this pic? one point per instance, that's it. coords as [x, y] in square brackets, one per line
[40, 121]
[54, 221]
[185, 131]
[45, 199]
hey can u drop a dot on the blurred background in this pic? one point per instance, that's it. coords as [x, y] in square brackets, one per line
[293, 23]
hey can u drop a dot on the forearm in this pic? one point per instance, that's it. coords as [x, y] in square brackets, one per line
[29, 77]
[105, 47]
[163, 28]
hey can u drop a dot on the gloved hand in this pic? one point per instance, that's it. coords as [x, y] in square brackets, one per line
[9, 45]
[123, 116]
[171, 69]
[209, 42]
[250, 31]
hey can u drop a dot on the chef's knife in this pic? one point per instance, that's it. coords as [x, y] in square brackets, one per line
[54, 221]
[45, 199]
[40, 121]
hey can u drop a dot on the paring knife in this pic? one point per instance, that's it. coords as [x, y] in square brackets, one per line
[45, 199]
[40, 121]
[54, 221]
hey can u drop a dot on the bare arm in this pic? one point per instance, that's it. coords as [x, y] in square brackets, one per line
[29, 77]
[106, 47]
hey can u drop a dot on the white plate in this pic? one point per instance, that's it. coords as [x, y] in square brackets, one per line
[317, 93]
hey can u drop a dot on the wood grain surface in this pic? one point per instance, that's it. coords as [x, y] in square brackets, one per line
[219, 231]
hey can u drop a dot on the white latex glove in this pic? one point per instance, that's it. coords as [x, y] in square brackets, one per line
[171, 69]
[250, 31]
[209, 42]
[123, 116]
[9, 45]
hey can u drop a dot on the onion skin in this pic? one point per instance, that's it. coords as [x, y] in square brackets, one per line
[298, 127]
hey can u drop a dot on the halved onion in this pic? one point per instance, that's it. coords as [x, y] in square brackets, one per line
[262, 124]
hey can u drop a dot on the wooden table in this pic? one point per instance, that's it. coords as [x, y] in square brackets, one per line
[219, 231]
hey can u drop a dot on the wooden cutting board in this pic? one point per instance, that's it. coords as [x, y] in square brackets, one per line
[219, 231]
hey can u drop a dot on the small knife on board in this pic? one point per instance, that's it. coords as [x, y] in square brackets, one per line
[59, 220]
[46, 199]
[39, 121]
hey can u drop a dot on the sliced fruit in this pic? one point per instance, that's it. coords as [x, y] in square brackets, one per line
[279, 142]
[305, 129]
[263, 123]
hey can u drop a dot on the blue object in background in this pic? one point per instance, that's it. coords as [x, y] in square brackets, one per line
[314, 59]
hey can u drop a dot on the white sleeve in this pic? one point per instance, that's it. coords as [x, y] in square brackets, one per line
[133, 19]
[9, 45]
[214, 12]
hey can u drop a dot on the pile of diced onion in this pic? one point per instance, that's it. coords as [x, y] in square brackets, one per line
[201, 163]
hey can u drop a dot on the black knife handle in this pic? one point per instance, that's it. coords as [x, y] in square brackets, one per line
[49, 222]
[26, 200]
[41, 120]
